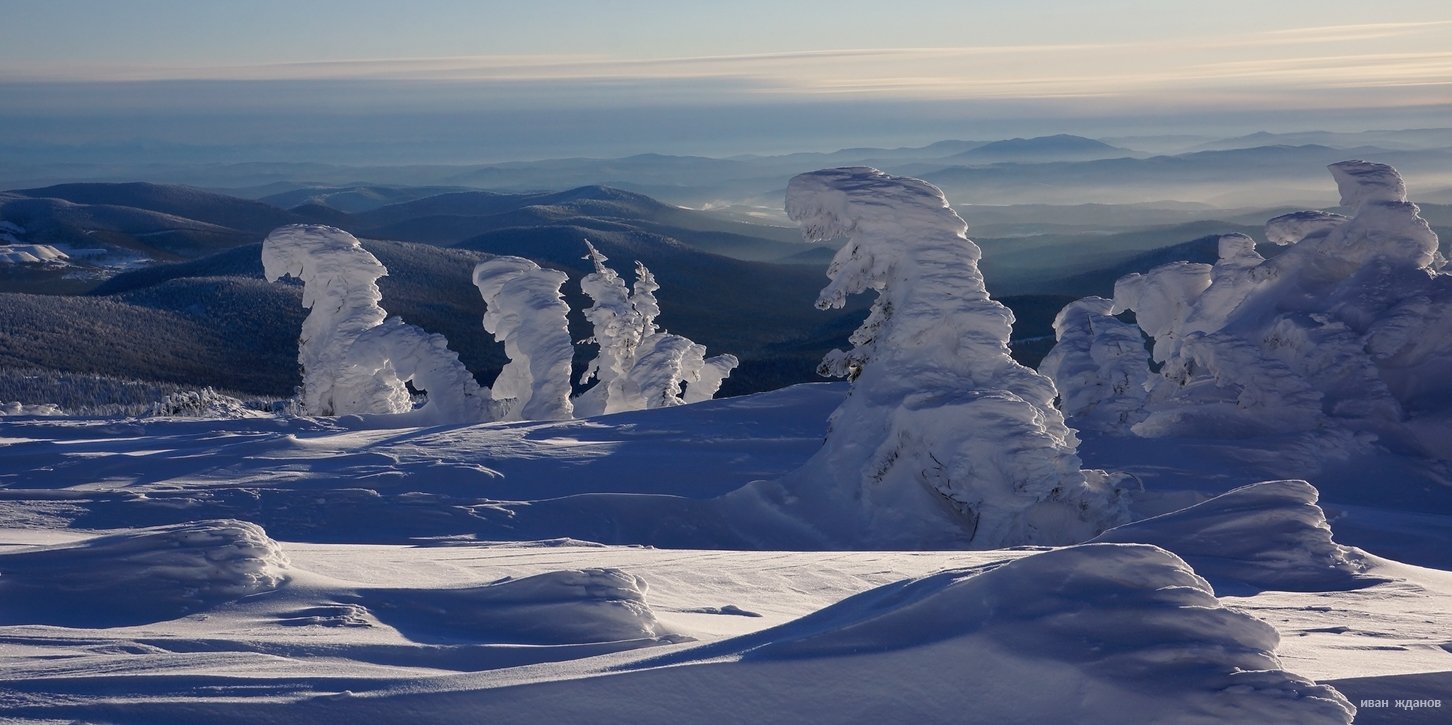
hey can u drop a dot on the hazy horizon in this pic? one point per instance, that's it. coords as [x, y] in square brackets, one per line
[446, 82]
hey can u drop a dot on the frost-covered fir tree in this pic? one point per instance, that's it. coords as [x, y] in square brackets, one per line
[353, 362]
[1344, 335]
[525, 311]
[1099, 366]
[639, 365]
[944, 440]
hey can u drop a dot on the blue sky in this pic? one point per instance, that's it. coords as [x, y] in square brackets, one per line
[88, 71]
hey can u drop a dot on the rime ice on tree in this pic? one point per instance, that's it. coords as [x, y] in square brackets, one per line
[353, 361]
[944, 439]
[1345, 332]
[524, 310]
[640, 366]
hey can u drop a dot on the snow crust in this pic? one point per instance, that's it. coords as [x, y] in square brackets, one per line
[944, 440]
[1344, 334]
[353, 361]
[525, 311]
[142, 575]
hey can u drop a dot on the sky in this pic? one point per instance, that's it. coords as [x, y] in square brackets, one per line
[432, 80]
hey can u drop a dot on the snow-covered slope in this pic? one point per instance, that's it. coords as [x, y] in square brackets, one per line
[407, 599]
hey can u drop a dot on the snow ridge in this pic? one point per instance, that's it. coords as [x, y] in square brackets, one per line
[1130, 629]
[1268, 535]
[143, 575]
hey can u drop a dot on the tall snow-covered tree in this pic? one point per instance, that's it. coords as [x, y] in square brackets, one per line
[353, 361]
[525, 311]
[639, 365]
[943, 440]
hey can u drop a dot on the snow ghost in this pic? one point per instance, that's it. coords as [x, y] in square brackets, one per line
[944, 440]
[640, 366]
[1343, 335]
[524, 310]
[353, 361]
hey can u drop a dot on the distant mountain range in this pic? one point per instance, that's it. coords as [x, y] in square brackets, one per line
[1060, 169]
[1061, 147]
[163, 282]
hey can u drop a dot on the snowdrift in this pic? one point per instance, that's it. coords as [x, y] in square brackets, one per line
[1099, 633]
[145, 575]
[580, 606]
[1268, 535]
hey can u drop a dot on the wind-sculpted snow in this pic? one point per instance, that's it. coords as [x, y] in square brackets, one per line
[1268, 535]
[525, 311]
[144, 575]
[353, 361]
[555, 608]
[1347, 330]
[639, 365]
[1100, 633]
[944, 439]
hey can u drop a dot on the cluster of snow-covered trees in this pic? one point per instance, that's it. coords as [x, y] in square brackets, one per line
[357, 360]
[944, 440]
[1344, 335]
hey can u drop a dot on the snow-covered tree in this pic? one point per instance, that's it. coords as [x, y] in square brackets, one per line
[352, 361]
[639, 365]
[944, 440]
[340, 288]
[1348, 329]
[525, 311]
[619, 327]
[1099, 366]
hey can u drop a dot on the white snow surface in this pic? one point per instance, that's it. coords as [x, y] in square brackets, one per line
[945, 440]
[1341, 338]
[138, 576]
[383, 588]
[1268, 535]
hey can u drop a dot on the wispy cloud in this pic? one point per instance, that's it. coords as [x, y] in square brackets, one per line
[1378, 55]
